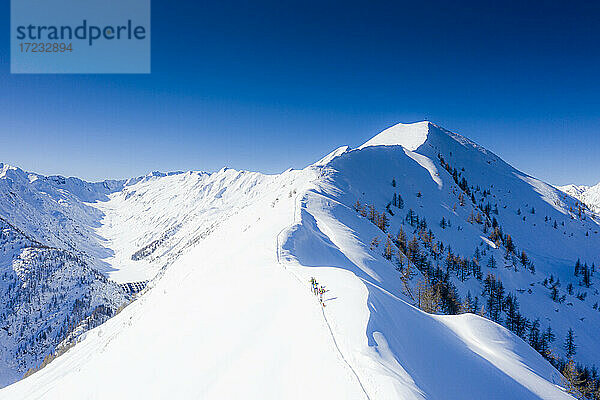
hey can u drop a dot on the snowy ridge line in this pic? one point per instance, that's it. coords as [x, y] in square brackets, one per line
[20, 232]
[278, 251]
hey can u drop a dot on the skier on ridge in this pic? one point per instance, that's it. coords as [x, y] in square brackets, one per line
[318, 290]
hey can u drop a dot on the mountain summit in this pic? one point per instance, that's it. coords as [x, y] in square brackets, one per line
[419, 265]
[410, 136]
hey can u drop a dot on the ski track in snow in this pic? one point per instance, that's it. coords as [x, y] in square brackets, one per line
[221, 303]
[278, 249]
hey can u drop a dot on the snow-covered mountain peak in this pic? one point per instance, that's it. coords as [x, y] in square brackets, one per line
[574, 189]
[7, 170]
[409, 136]
[589, 195]
[416, 223]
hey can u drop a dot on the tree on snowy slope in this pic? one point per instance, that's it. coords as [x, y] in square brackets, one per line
[428, 298]
[571, 379]
[494, 290]
[388, 250]
[514, 320]
[570, 346]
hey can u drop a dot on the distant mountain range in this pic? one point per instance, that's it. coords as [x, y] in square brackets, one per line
[589, 195]
[418, 265]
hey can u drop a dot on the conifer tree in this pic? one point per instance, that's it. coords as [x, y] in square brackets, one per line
[494, 289]
[388, 250]
[512, 309]
[471, 218]
[406, 275]
[510, 247]
[544, 347]
[586, 276]
[479, 218]
[413, 250]
[443, 223]
[570, 346]
[401, 240]
[400, 202]
[363, 211]
[374, 242]
[492, 262]
[477, 254]
[407, 271]
[400, 261]
[450, 303]
[534, 334]
[524, 259]
[372, 213]
[411, 217]
[428, 298]
[571, 378]
[383, 222]
[467, 305]
[554, 293]
[549, 335]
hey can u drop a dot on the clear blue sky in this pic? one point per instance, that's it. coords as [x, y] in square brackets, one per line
[271, 85]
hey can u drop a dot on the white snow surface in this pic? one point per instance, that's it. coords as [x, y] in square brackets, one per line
[589, 195]
[409, 136]
[231, 314]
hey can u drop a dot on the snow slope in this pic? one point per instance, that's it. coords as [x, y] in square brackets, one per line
[49, 288]
[149, 224]
[129, 230]
[553, 251]
[252, 329]
[225, 320]
[399, 351]
[231, 314]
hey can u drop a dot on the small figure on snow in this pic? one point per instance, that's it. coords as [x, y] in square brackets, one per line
[321, 292]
